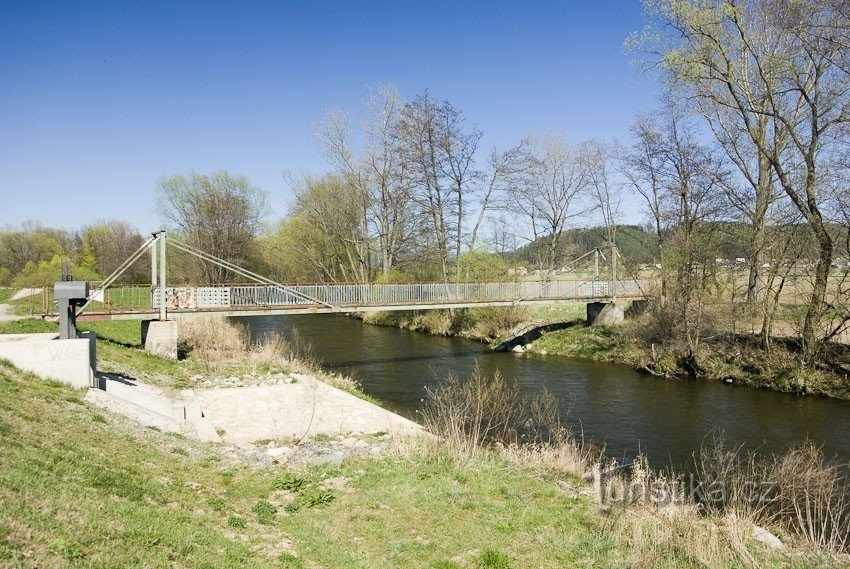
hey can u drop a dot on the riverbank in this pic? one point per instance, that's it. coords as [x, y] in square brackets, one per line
[728, 358]
[81, 485]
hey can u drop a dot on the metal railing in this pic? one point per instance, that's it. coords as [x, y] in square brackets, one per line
[361, 295]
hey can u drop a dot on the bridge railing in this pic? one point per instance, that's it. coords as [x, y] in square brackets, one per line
[355, 295]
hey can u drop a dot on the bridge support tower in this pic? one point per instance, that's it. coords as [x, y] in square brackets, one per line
[160, 336]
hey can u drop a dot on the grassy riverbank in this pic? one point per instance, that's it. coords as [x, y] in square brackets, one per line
[219, 350]
[731, 358]
[80, 487]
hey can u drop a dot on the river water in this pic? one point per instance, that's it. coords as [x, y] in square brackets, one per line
[609, 405]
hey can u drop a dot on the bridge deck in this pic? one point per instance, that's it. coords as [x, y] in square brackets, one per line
[142, 302]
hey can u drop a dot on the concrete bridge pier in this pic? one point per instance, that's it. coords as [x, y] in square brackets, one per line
[605, 313]
[160, 338]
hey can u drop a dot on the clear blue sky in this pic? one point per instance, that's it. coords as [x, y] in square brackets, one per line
[98, 100]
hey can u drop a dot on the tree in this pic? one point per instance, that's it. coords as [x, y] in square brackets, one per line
[219, 213]
[324, 231]
[605, 192]
[779, 69]
[440, 154]
[32, 243]
[378, 172]
[105, 245]
[554, 176]
[680, 179]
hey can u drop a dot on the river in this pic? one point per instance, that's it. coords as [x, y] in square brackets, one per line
[609, 405]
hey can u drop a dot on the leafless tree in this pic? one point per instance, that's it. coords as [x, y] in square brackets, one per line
[440, 153]
[220, 213]
[605, 192]
[781, 59]
[547, 192]
[111, 242]
[378, 173]
[680, 179]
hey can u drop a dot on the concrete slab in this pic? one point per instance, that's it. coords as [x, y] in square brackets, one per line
[306, 407]
[68, 361]
[247, 414]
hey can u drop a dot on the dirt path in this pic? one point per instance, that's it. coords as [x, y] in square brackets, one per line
[6, 309]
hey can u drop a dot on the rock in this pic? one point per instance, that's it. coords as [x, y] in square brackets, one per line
[376, 450]
[565, 486]
[762, 535]
[518, 349]
[728, 380]
[335, 458]
[279, 452]
[543, 352]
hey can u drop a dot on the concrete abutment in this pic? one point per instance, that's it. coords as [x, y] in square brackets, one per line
[160, 338]
[605, 313]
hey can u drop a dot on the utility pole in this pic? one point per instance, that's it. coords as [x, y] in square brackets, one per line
[154, 261]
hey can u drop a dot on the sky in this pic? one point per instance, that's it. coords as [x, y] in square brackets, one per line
[100, 100]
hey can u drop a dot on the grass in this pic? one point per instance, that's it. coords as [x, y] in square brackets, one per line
[75, 490]
[6, 293]
[26, 306]
[119, 351]
[81, 487]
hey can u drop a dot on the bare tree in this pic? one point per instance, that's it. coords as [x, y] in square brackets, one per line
[111, 243]
[378, 173]
[220, 213]
[546, 193]
[680, 179]
[605, 192]
[440, 153]
[779, 59]
[503, 168]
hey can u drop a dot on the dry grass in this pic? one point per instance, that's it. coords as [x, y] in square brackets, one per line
[704, 518]
[469, 414]
[800, 495]
[220, 344]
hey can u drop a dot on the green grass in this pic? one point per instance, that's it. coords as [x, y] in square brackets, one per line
[597, 343]
[75, 490]
[26, 306]
[78, 490]
[81, 487]
[116, 354]
[6, 293]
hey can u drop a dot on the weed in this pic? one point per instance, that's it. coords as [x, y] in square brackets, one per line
[217, 504]
[290, 482]
[265, 511]
[319, 498]
[494, 559]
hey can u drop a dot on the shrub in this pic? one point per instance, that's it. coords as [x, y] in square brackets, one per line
[481, 410]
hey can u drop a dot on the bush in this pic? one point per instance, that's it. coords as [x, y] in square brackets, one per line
[482, 410]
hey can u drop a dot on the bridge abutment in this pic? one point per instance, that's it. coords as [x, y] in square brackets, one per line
[160, 338]
[605, 313]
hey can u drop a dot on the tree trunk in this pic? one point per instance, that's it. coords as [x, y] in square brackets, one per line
[811, 326]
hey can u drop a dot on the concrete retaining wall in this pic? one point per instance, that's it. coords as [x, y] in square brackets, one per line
[68, 361]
